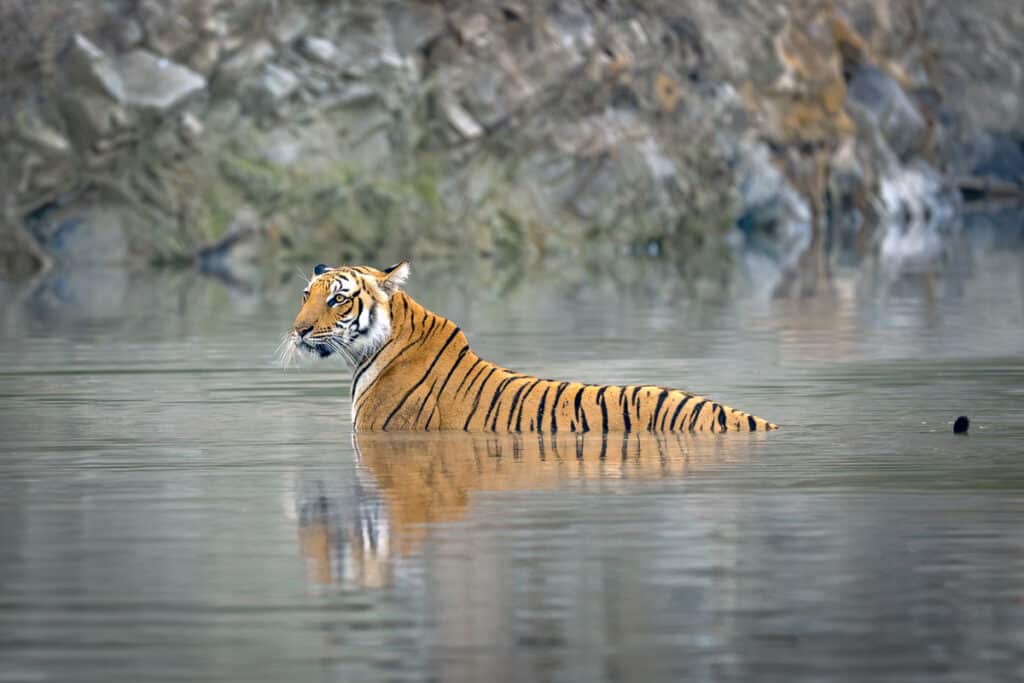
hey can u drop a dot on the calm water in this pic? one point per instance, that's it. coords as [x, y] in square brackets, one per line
[174, 507]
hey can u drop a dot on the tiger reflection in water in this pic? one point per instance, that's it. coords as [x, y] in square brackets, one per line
[360, 535]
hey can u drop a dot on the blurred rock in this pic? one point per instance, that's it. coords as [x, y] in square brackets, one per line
[318, 50]
[78, 234]
[156, 83]
[525, 129]
[40, 135]
[243, 62]
[88, 65]
[273, 85]
[129, 34]
[91, 118]
[880, 102]
[460, 119]
[916, 209]
[288, 26]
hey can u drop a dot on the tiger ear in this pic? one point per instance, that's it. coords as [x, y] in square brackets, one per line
[394, 278]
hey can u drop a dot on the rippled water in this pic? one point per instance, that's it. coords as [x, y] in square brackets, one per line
[173, 507]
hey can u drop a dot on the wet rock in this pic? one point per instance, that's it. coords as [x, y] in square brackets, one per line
[318, 50]
[239, 243]
[169, 34]
[205, 56]
[190, 128]
[999, 155]
[274, 85]
[87, 65]
[472, 28]
[129, 34]
[290, 25]
[772, 211]
[916, 208]
[416, 25]
[460, 119]
[242, 63]
[878, 101]
[83, 234]
[91, 118]
[43, 137]
[156, 83]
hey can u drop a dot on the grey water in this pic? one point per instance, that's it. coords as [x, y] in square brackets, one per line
[173, 506]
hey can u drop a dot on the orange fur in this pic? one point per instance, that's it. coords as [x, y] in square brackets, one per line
[423, 376]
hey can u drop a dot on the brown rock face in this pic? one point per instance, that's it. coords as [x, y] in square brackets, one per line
[516, 129]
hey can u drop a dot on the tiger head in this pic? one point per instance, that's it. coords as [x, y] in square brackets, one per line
[345, 310]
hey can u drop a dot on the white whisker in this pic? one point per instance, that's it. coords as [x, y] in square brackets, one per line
[287, 352]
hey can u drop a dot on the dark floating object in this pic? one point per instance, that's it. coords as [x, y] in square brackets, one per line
[961, 425]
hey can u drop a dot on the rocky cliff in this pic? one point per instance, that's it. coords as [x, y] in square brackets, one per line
[212, 131]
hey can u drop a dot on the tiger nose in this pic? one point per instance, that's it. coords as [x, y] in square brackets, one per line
[303, 331]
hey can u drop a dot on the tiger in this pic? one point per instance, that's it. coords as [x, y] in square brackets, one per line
[413, 370]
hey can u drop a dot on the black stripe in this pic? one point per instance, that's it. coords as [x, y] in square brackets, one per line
[366, 366]
[472, 382]
[636, 401]
[604, 409]
[577, 400]
[433, 412]
[462, 354]
[512, 408]
[422, 379]
[664, 419]
[554, 407]
[540, 408]
[433, 324]
[519, 420]
[581, 413]
[476, 401]
[675, 413]
[468, 373]
[494, 401]
[391, 362]
[393, 358]
[721, 418]
[604, 447]
[695, 414]
[657, 409]
[751, 423]
[625, 408]
[423, 403]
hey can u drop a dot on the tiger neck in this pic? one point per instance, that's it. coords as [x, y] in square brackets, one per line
[412, 327]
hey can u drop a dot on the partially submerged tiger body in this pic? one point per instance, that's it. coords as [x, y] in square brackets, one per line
[415, 370]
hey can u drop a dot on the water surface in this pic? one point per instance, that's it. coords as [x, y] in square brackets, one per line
[174, 507]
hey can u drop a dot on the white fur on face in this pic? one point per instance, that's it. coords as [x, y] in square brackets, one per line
[354, 340]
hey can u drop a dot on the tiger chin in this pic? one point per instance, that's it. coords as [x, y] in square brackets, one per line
[413, 370]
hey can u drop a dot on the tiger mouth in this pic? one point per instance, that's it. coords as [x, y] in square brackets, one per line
[321, 350]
